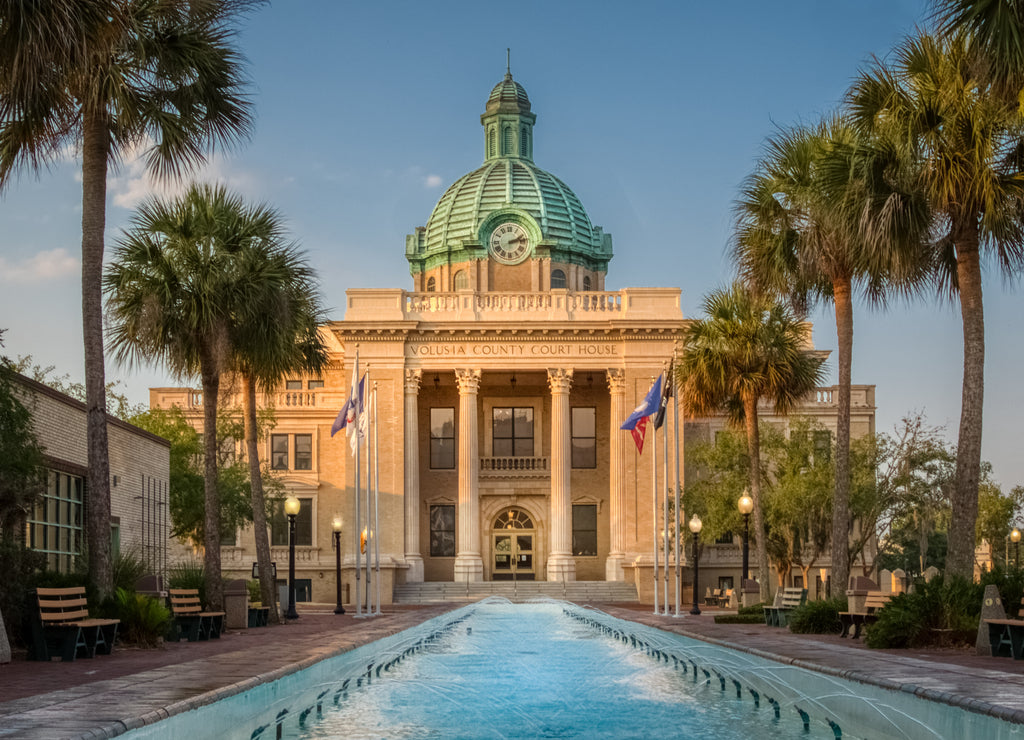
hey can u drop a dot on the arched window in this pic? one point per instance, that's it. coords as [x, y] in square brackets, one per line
[524, 143]
[508, 140]
[557, 279]
[461, 280]
[431, 285]
[586, 282]
[492, 142]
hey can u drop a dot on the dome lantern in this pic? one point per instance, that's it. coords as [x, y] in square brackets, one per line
[508, 121]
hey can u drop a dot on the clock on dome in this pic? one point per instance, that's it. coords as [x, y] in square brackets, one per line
[509, 243]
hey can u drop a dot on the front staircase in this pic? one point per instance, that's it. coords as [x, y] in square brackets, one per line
[580, 592]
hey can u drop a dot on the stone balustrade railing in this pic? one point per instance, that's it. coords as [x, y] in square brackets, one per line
[515, 467]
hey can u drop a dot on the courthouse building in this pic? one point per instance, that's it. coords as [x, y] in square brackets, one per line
[502, 378]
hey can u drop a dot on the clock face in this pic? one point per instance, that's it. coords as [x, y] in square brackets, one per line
[509, 243]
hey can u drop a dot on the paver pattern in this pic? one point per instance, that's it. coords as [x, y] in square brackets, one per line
[108, 695]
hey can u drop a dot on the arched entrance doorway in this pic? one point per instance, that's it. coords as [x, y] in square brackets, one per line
[512, 542]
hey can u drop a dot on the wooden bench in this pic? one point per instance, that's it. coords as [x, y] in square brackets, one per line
[778, 616]
[712, 598]
[64, 628]
[872, 605]
[1006, 636]
[190, 619]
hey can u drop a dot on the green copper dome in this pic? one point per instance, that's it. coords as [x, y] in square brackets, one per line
[509, 187]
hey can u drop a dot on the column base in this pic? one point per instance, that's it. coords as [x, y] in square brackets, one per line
[468, 568]
[613, 567]
[561, 568]
[414, 574]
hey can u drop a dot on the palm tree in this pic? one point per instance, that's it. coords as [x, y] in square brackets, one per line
[996, 31]
[110, 77]
[748, 349]
[821, 217]
[266, 351]
[966, 142]
[186, 276]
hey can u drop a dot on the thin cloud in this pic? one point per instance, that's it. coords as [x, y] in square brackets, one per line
[52, 264]
[433, 181]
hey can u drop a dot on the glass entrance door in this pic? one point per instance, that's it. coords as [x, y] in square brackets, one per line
[512, 549]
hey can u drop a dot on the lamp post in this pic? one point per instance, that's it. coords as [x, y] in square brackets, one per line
[695, 527]
[1015, 539]
[336, 527]
[746, 505]
[291, 508]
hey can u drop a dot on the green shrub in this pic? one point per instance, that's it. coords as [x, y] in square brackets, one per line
[752, 610]
[128, 567]
[935, 613]
[18, 565]
[144, 620]
[188, 574]
[817, 617]
[255, 595]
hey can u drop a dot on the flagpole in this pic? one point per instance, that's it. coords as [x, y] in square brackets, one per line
[665, 506]
[358, 527]
[369, 533]
[675, 445]
[654, 512]
[376, 499]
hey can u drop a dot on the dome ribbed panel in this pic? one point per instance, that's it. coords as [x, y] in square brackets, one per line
[510, 182]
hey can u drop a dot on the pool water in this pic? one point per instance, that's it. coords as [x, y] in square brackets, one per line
[531, 671]
[556, 670]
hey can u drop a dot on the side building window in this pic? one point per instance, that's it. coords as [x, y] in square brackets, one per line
[557, 279]
[431, 285]
[586, 282]
[442, 531]
[461, 280]
[55, 527]
[303, 524]
[584, 437]
[584, 530]
[512, 432]
[442, 439]
[279, 451]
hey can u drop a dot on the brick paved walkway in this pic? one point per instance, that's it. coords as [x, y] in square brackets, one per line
[105, 696]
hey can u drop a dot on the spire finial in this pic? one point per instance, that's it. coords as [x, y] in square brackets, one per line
[508, 61]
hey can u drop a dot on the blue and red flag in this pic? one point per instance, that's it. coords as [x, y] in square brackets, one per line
[637, 421]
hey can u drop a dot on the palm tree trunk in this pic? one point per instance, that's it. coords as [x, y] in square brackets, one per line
[259, 510]
[754, 454]
[211, 496]
[841, 504]
[960, 556]
[95, 151]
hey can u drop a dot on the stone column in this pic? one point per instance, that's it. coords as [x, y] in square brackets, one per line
[468, 564]
[413, 556]
[617, 440]
[561, 565]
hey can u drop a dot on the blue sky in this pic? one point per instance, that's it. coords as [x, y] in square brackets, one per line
[653, 112]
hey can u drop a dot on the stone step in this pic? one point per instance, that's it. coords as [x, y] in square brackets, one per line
[430, 592]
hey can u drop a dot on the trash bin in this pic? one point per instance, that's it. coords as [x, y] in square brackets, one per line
[236, 604]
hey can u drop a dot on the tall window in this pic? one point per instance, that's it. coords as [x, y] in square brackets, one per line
[586, 282]
[279, 451]
[512, 432]
[442, 531]
[584, 529]
[431, 285]
[442, 439]
[55, 526]
[822, 444]
[584, 437]
[491, 145]
[303, 451]
[507, 141]
[461, 280]
[303, 524]
[557, 279]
